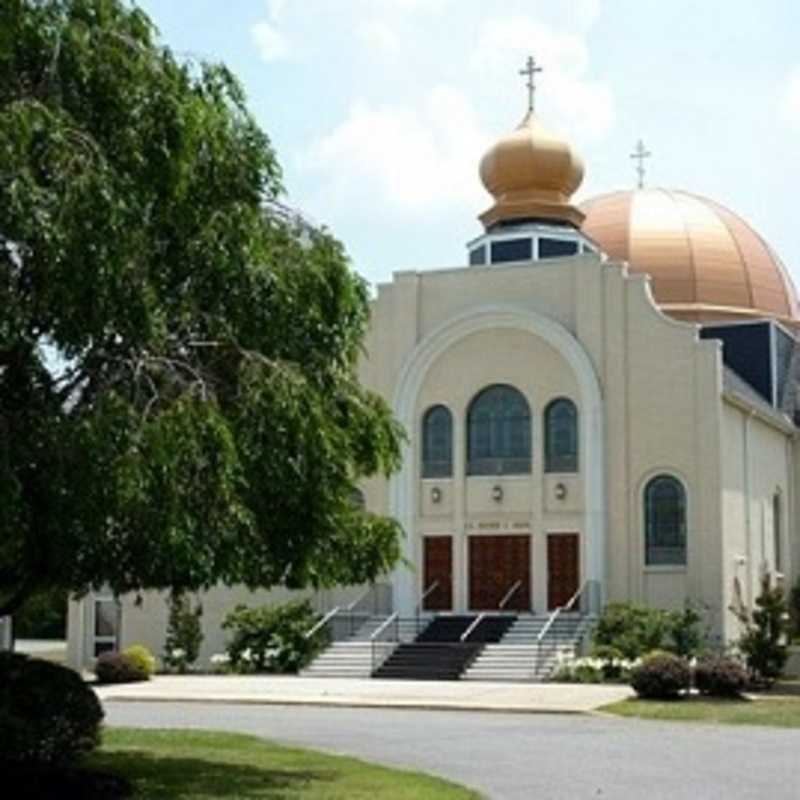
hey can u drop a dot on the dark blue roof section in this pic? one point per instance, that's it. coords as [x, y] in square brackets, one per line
[762, 365]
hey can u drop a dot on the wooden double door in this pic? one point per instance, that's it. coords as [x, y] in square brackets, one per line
[496, 563]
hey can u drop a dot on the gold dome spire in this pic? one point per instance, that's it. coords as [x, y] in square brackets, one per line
[531, 172]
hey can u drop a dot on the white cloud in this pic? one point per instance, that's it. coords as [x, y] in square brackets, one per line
[585, 12]
[412, 5]
[790, 105]
[415, 161]
[378, 36]
[503, 44]
[271, 43]
[276, 8]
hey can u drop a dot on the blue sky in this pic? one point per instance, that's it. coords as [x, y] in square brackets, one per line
[380, 109]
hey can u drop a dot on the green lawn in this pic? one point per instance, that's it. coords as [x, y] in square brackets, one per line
[200, 765]
[777, 711]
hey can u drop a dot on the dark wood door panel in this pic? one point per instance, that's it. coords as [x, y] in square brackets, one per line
[563, 568]
[438, 566]
[495, 564]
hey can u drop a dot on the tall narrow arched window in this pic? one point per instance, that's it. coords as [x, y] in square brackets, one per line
[499, 433]
[665, 521]
[561, 436]
[437, 443]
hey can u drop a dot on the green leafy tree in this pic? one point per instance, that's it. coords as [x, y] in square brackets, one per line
[184, 634]
[178, 397]
[766, 628]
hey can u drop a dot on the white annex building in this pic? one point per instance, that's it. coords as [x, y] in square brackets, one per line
[600, 407]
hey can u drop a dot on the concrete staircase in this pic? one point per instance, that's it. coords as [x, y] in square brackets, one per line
[348, 659]
[518, 657]
[353, 657]
[438, 653]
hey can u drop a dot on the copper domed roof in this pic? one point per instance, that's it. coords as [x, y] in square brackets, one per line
[705, 263]
[531, 173]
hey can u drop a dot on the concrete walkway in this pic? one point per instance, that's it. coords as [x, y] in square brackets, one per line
[370, 693]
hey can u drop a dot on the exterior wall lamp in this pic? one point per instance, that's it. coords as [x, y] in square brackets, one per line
[436, 495]
[497, 494]
[560, 491]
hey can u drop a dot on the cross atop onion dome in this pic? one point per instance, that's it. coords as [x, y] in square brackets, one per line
[531, 173]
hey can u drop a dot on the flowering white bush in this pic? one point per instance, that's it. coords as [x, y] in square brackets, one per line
[220, 662]
[592, 669]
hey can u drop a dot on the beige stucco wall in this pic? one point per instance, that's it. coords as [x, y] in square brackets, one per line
[756, 464]
[661, 396]
[541, 375]
[145, 621]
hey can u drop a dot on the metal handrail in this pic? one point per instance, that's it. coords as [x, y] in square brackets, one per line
[554, 616]
[431, 588]
[349, 609]
[358, 599]
[474, 624]
[500, 606]
[418, 609]
[322, 623]
[394, 618]
[385, 624]
[509, 594]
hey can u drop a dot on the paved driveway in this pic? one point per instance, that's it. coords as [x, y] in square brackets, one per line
[522, 756]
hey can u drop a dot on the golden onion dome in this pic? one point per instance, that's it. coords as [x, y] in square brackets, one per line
[706, 264]
[531, 173]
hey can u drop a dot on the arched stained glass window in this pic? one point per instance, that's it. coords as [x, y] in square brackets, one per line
[499, 433]
[561, 436]
[437, 443]
[665, 521]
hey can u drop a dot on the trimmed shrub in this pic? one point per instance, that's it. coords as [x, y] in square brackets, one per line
[48, 715]
[632, 630]
[612, 660]
[685, 638]
[141, 659]
[717, 676]
[661, 676]
[635, 630]
[116, 667]
[272, 638]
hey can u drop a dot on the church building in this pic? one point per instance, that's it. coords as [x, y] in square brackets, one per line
[600, 405]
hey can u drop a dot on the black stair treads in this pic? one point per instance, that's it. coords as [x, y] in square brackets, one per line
[421, 661]
[491, 630]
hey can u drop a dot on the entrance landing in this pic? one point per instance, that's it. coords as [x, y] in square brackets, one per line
[370, 693]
